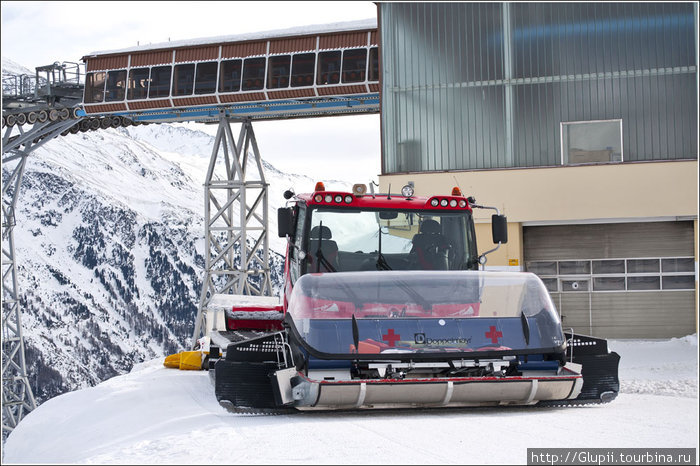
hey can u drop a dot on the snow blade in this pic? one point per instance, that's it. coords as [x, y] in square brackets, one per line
[244, 384]
[599, 369]
[244, 378]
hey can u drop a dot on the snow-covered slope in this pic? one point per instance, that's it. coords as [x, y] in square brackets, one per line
[155, 415]
[110, 249]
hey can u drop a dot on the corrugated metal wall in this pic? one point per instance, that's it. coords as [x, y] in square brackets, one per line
[487, 85]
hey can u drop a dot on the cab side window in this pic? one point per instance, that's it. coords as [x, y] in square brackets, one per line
[295, 263]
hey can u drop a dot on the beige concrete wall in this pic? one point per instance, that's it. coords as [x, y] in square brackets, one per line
[509, 254]
[615, 192]
[571, 193]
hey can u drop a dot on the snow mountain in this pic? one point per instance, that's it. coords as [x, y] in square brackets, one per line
[110, 250]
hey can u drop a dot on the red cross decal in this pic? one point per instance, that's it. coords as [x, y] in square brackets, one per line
[493, 334]
[391, 338]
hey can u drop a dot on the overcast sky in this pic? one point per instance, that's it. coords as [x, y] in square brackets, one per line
[40, 33]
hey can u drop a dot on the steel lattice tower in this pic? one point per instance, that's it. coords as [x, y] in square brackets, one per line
[235, 211]
[17, 396]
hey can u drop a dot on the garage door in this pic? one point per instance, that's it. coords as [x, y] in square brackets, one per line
[622, 280]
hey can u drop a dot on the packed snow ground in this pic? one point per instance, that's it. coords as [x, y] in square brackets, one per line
[155, 415]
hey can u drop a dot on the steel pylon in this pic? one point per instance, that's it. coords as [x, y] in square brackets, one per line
[17, 396]
[236, 222]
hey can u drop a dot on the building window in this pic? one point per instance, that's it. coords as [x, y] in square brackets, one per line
[138, 83]
[354, 65]
[601, 275]
[591, 142]
[160, 82]
[678, 282]
[642, 266]
[643, 283]
[303, 65]
[374, 64]
[116, 86]
[678, 265]
[278, 72]
[183, 81]
[608, 266]
[205, 78]
[608, 283]
[94, 87]
[230, 76]
[329, 67]
[253, 74]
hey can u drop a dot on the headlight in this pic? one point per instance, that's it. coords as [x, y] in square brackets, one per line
[328, 198]
[338, 198]
[434, 203]
[443, 203]
[407, 191]
[453, 203]
[348, 199]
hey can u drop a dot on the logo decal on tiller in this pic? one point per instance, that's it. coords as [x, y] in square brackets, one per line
[421, 339]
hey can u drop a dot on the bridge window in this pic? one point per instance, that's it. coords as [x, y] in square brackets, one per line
[138, 83]
[205, 79]
[303, 69]
[253, 74]
[116, 86]
[183, 80]
[329, 67]
[354, 64]
[278, 72]
[374, 64]
[94, 87]
[230, 76]
[160, 82]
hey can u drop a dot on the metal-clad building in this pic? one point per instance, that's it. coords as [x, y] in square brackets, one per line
[579, 121]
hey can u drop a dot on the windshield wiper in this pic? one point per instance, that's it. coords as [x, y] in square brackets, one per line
[320, 258]
[414, 294]
[382, 264]
[526, 327]
[356, 301]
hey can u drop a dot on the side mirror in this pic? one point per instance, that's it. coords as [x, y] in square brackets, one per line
[499, 229]
[285, 222]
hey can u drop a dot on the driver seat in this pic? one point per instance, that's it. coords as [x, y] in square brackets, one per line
[329, 249]
[431, 247]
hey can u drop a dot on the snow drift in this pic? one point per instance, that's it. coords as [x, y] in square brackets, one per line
[155, 415]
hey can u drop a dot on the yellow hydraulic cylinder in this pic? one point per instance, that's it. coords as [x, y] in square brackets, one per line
[185, 360]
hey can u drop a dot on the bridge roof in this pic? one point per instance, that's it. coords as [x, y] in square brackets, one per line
[313, 29]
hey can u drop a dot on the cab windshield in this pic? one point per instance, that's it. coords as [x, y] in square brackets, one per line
[351, 240]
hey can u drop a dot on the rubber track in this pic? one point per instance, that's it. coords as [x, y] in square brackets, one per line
[257, 411]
